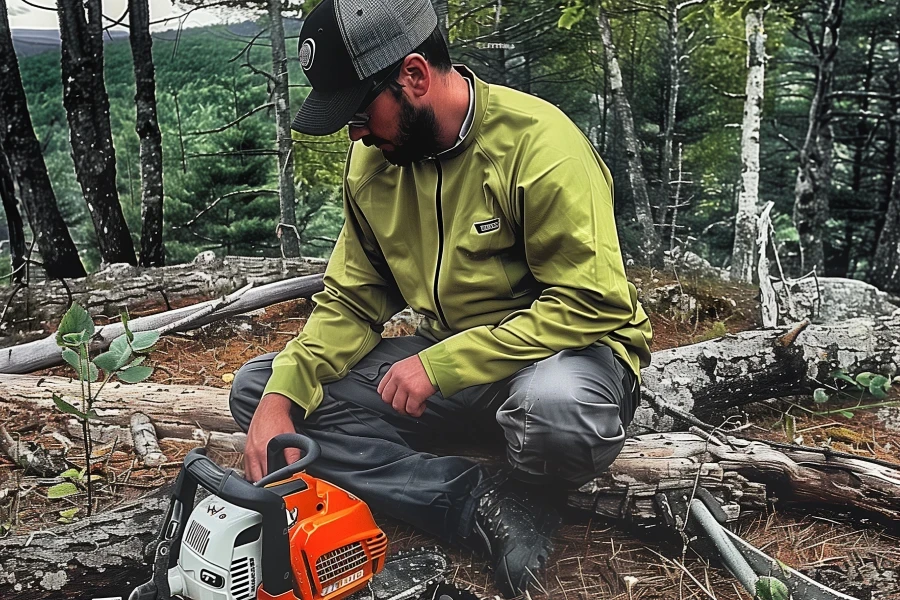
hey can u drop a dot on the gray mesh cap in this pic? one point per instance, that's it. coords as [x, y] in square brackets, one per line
[344, 44]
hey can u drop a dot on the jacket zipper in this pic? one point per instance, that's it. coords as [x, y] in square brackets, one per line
[440, 226]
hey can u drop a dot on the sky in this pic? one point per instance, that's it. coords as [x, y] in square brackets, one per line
[24, 16]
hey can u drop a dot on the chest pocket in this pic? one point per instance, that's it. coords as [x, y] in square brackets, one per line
[485, 238]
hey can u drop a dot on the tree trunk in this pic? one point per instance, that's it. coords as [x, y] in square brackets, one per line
[668, 129]
[87, 111]
[740, 473]
[13, 219]
[111, 290]
[26, 163]
[815, 168]
[651, 246]
[147, 127]
[702, 379]
[742, 255]
[24, 358]
[706, 379]
[99, 557]
[886, 264]
[287, 228]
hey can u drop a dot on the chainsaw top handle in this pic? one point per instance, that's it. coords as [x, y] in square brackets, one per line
[277, 467]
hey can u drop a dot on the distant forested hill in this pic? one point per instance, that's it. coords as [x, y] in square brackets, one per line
[219, 186]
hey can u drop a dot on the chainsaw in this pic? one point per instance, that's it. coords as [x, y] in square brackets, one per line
[289, 536]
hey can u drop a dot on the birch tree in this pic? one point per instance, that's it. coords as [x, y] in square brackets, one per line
[287, 228]
[742, 257]
[651, 245]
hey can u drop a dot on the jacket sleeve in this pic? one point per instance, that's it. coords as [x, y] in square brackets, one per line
[345, 324]
[563, 203]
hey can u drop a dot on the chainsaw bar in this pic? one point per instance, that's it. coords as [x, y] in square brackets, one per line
[416, 574]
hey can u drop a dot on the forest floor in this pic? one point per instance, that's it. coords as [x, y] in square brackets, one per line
[593, 558]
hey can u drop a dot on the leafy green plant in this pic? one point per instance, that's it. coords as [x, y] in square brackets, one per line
[858, 387]
[770, 588]
[123, 360]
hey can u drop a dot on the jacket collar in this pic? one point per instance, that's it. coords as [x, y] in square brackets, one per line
[481, 98]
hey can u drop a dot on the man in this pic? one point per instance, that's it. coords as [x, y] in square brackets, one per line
[487, 211]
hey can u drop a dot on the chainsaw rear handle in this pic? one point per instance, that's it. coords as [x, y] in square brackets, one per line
[231, 487]
[277, 467]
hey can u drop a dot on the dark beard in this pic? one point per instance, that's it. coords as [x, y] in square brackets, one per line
[418, 136]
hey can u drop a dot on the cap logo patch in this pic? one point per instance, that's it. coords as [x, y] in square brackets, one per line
[307, 53]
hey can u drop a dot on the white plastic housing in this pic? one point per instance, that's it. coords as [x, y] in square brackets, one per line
[211, 566]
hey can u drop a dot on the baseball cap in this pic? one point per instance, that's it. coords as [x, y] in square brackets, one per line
[344, 45]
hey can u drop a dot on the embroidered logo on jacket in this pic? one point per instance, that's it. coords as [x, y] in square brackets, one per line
[488, 226]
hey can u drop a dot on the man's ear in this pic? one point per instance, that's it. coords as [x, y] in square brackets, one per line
[415, 75]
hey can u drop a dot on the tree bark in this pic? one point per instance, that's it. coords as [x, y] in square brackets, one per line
[651, 245]
[886, 264]
[815, 162]
[745, 230]
[27, 168]
[668, 130]
[13, 219]
[99, 557]
[740, 473]
[152, 253]
[706, 379]
[287, 228]
[87, 111]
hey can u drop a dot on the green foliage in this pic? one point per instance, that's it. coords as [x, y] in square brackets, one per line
[857, 387]
[122, 360]
[770, 588]
[211, 92]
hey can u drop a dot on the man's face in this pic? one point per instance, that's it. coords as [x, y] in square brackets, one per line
[403, 132]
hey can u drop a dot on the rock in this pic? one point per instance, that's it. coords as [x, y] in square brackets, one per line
[831, 300]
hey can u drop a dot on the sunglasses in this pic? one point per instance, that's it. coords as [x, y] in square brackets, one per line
[361, 118]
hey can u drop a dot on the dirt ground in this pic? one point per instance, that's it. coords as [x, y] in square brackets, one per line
[594, 558]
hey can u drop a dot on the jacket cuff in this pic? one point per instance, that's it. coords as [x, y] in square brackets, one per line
[284, 381]
[441, 368]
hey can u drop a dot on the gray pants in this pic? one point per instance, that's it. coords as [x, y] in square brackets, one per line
[563, 418]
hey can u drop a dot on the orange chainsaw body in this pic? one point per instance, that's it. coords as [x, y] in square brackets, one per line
[336, 547]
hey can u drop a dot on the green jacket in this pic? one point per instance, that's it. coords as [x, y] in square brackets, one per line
[506, 243]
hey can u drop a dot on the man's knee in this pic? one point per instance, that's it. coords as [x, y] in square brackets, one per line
[566, 422]
[247, 388]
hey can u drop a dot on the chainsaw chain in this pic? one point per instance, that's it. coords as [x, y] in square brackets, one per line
[448, 591]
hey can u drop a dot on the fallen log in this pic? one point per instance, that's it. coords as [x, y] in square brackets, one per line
[97, 557]
[44, 353]
[701, 379]
[104, 559]
[740, 473]
[119, 286]
[710, 377]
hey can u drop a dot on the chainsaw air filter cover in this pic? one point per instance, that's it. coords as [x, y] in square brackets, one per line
[220, 553]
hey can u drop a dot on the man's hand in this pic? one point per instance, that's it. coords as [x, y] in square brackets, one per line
[406, 387]
[272, 417]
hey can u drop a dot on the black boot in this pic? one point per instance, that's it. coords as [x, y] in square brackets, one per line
[515, 521]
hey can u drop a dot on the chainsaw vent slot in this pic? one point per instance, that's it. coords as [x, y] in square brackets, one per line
[338, 562]
[197, 537]
[242, 578]
[377, 545]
